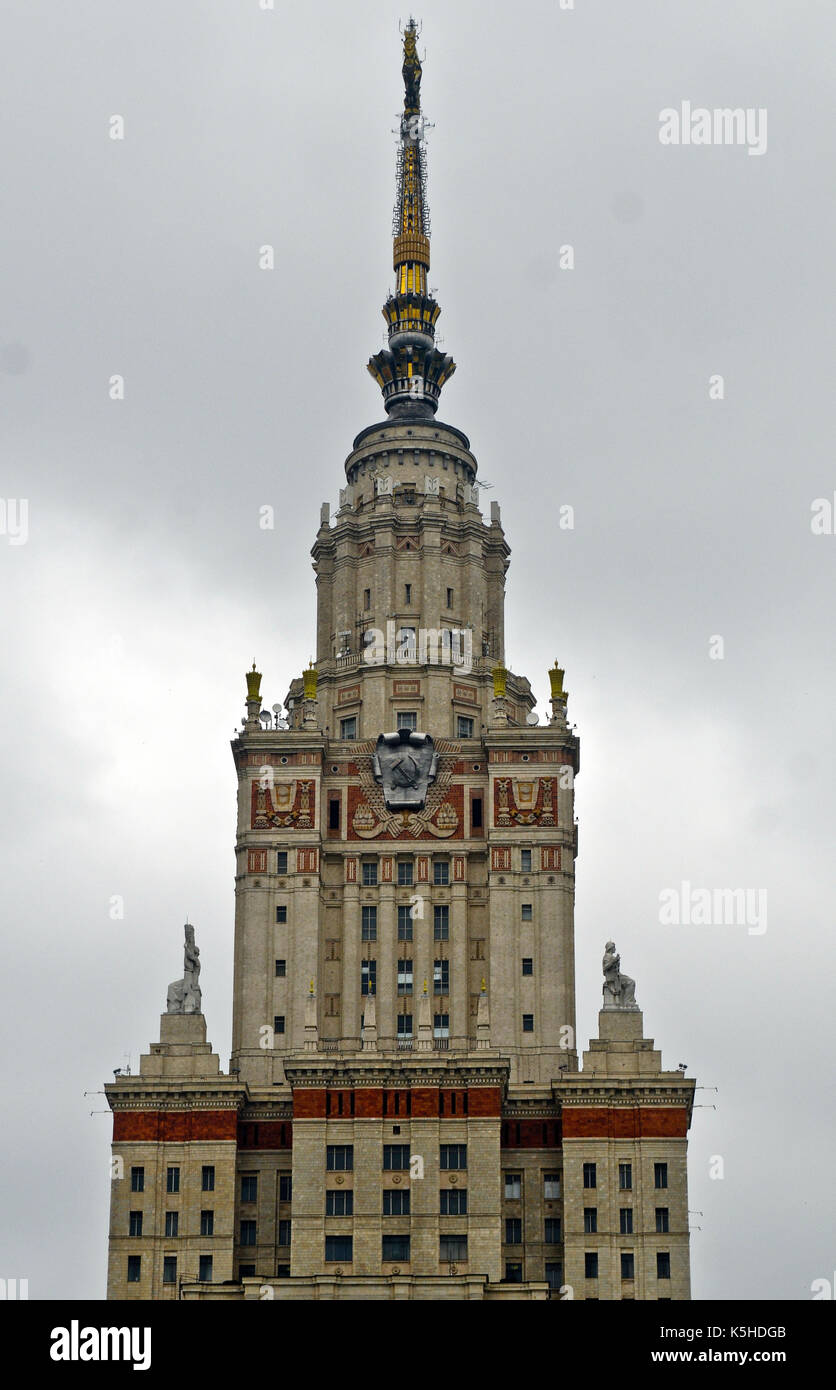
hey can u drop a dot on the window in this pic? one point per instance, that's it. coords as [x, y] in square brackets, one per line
[367, 599]
[248, 1232]
[207, 1178]
[528, 1023]
[554, 1274]
[453, 1201]
[452, 1249]
[407, 720]
[441, 872]
[625, 1221]
[441, 922]
[405, 872]
[137, 1180]
[284, 1233]
[662, 1220]
[404, 921]
[513, 1230]
[135, 1226]
[407, 593]
[395, 1202]
[285, 1187]
[281, 969]
[453, 1156]
[405, 1026]
[406, 643]
[246, 1271]
[464, 727]
[551, 1187]
[334, 813]
[205, 1269]
[552, 1230]
[663, 1264]
[368, 929]
[625, 1176]
[207, 1223]
[368, 976]
[278, 1023]
[395, 1248]
[281, 913]
[525, 861]
[528, 965]
[527, 912]
[395, 1157]
[590, 1264]
[590, 1220]
[513, 1187]
[281, 862]
[169, 1269]
[441, 1025]
[589, 1175]
[441, 977]
[282, 1271]
[513, 1272]
[339, 1158]
[628, 1270]
[339, 1249]
[172, 1224]
[370, 873]
[404, 977]
[172, 1179]
[339, 1203]
[476, 813]
[348, 727]
[449, 598]
[134, 1268]
[660, 1174]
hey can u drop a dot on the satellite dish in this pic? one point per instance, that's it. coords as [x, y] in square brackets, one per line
[277, 709]
[532, 718]
[266, 718]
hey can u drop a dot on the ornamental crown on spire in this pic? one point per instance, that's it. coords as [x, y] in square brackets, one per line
[411, 371]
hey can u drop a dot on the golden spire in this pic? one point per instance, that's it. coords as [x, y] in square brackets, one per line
[412, 371]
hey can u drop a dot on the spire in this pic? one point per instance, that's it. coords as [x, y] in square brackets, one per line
[411, 371]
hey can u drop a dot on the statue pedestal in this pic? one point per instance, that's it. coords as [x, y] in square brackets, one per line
[621, 1049]
[182, 1050]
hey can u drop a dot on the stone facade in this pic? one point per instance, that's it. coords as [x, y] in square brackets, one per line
[404, 1114]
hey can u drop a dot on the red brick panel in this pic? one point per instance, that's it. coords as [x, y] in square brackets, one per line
[256, 861]
[309, 1103]
[484, 1101]
[368, 1102]
[637, 1122]
[173, 1126]
[265, 1134]
[424, 1102]
[530, 1134]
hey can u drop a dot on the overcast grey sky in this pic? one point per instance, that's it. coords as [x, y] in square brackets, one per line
[146, 587]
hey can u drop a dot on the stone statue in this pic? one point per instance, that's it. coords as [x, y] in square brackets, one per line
[619, 990]
[405, 764]
[184, 995]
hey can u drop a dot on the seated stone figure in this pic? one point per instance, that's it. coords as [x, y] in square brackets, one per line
[619, 990]
[184, 995]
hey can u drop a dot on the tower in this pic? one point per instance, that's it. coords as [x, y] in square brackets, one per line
[404, 1092]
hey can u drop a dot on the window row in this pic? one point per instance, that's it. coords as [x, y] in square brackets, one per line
[514, 1187]
[339, 1158]
[625, 1220]
[514, 1230]
[172, 1179]
[451, 1249]
[407, 719]
[628, 1265]
[625, 1175]
[249, 1187]
[204, 1274]
[405, 978]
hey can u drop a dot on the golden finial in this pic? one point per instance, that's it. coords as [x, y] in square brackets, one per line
[500, 679]
[253, 684]
[484, 986]
[309, 679]
[556, 675]
[311, 990]
[425, 986]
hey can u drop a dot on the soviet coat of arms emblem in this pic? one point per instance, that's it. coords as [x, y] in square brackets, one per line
[405, 764]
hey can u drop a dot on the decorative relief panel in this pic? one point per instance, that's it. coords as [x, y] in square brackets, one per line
[442, 817]
[524, 801]
[290, 804]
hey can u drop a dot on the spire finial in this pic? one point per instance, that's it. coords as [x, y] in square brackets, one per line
[411, 371]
